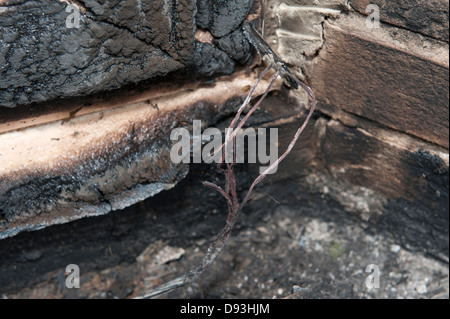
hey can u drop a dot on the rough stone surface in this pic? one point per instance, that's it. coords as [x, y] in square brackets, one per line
[423, 16]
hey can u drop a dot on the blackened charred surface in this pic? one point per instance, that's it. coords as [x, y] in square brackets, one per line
[210, 61]
[222, 17]
[432, 163]
[433, 173]
[424, 221]
[126, 233]
[236, 46]
[417, 227]
[204, 13]
[168, 25]
[118, 43]
[12, 2]
[42, 59]
[110, 174]
[358, 156]
[415, 184]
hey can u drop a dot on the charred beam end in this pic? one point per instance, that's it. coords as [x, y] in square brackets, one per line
[102, 161]
[43, 57]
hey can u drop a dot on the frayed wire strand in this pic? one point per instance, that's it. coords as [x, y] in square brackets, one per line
[234, 208]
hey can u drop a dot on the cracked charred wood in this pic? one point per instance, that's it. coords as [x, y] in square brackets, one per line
[43, 59]
[44, 55]
[214, 15]
[102, 160]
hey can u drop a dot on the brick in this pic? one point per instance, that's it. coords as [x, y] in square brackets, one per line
[391, 76]
[427, 17]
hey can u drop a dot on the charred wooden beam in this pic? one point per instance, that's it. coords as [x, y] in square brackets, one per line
[104, 160]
